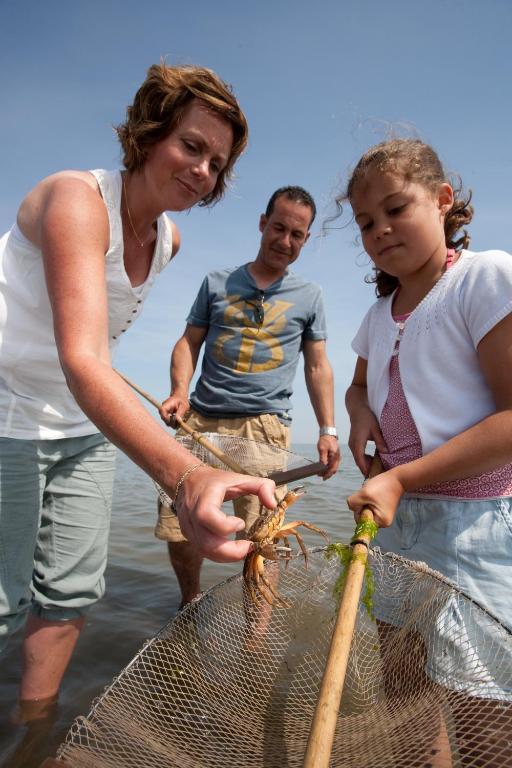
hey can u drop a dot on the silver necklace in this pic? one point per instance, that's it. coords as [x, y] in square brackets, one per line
[129, 214]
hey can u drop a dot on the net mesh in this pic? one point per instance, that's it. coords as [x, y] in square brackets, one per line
[227, 683]
[256, 458]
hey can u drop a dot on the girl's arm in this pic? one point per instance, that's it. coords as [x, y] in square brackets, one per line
[73, 233]
[363, 423]
[481, 448]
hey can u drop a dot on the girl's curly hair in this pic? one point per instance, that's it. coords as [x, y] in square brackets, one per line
[416, 162]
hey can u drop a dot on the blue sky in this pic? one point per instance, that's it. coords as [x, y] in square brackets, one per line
[319, 82]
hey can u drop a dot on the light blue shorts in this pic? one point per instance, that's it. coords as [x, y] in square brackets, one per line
[55, 504]
[470, 543]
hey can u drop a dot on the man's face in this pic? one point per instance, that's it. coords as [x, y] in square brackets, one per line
[283, 234]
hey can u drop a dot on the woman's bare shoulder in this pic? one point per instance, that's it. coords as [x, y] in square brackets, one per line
[176, 238]
[64, 184]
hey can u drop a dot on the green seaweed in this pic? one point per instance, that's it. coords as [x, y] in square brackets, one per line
[365, 528]
[346, 556]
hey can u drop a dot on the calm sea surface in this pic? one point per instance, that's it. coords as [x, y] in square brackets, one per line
[142, 595]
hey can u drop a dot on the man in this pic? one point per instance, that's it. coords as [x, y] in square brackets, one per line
[254, 321]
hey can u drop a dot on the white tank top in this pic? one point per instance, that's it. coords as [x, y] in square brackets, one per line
[35, 402]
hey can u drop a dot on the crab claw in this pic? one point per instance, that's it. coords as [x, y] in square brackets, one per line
[271, 552]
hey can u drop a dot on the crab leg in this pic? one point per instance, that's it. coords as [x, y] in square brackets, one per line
[300, 542]
[288, 527]
[249, 580]
[261, 575]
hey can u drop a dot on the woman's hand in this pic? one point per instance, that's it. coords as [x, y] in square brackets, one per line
[364, 427]
[177, 404]
[201, 518]
[381, 495]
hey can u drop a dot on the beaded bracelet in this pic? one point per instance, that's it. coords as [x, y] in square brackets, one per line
[181, 480]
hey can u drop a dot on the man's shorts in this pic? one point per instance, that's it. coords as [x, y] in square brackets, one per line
[265, 428]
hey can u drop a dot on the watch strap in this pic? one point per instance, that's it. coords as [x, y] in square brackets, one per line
[331, 431]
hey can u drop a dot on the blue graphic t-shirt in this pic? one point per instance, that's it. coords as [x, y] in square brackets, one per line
[253, 342]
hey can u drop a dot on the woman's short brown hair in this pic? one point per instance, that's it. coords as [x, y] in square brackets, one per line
[159, 105]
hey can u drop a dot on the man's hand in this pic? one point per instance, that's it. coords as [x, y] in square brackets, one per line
[177, 404]
[329, 453]
[201, 518]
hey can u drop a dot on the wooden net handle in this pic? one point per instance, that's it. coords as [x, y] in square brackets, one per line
[197, 436]
[321, 735]
[298, 473]
[280, 478]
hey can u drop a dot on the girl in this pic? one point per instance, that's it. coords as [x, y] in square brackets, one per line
[432, 384]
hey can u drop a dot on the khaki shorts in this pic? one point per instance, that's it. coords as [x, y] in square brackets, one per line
[265, 428]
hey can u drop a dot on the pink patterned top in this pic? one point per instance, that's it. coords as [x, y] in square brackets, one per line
[404, 444]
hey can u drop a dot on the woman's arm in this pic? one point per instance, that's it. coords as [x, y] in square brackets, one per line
[481, 448]
[73, 233]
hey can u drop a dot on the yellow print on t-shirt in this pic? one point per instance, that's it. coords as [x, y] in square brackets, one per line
[239, 315]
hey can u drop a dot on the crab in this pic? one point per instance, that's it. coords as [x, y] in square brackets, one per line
[265, 533]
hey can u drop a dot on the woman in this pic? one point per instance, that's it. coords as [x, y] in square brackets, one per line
[74, 273]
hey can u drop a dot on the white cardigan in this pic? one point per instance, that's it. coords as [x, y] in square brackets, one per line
[441, 377]
[35, 402]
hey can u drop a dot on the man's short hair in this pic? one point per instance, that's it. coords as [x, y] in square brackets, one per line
[296, 195]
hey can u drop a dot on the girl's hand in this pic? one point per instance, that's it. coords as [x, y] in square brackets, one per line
[381, 494]
[201, 518]
[364, 427]
[176, 405]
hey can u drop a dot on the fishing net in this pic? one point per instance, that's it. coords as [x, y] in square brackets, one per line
[261, 459]
[252, 456]
[229, 683]
[224, 684]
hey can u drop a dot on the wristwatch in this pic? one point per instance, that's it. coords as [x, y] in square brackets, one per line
[331, 431]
